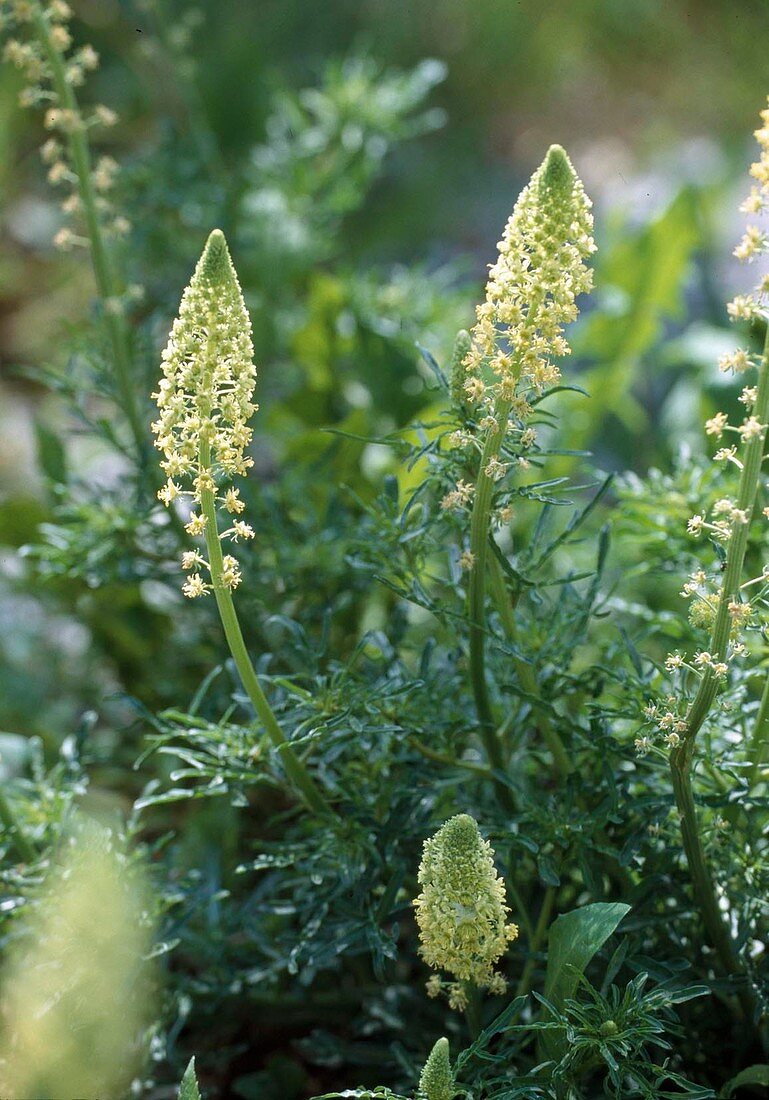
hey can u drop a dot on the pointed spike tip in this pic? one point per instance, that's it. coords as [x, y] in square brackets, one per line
[215, 259]
[558, 175]
[437, 1080]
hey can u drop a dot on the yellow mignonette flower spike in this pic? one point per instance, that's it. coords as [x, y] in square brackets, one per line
[205, 400]
[462, 911]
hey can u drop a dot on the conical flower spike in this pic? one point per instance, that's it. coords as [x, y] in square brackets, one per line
[205, 400]
[437, 1081]
[461, 911]
[531, 291]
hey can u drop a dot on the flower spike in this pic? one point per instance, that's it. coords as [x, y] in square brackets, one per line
[461, 911]
[205, 399]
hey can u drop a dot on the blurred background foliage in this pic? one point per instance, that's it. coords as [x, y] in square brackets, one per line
[364, 208]
[362, 158]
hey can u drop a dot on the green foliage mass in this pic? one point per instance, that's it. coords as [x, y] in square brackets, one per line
[285, 946]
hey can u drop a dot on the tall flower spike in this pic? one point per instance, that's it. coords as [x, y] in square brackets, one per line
[461, 911]
[531, 290]
[531, 294]
[205, 402]
[436, 1081]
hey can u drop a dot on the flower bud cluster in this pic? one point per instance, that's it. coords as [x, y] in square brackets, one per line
[205, 402]
[43, 51]
[508, 358]
[531, 291]
[462, 911]
[436, 1081]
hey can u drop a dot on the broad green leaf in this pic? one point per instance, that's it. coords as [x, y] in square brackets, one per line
[188, 1090]
[753, 1075]
[573, 941]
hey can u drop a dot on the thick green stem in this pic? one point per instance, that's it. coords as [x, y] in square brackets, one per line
[473, 1010]
[682, 756]
[23, 845]
[535, 941]
[295, 769]
[107, 283]
[759, 741]
[525, 672]
[476, 598]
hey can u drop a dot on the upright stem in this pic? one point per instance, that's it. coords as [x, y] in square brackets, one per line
[535, 941]
[760, 736]
[682, 756]
[525, 672]
[473, 1010]
[479, 532]
[108, 285]
[295, 769]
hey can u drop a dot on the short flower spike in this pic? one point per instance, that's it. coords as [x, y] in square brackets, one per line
[205, 400]
[436, 1081]
[461, 911]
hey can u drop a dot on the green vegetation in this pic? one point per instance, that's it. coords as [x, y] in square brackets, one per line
[401, 716]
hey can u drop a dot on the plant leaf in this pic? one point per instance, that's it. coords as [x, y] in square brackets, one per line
[573, 941]
[753, 1075]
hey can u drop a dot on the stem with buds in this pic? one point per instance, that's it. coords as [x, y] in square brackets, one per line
[682, 756]
[295, 769]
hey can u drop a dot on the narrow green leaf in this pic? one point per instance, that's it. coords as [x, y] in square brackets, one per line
[573, 941]
[188, 1090]
[753, 1075]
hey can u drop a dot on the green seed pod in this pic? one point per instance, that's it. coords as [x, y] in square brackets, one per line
[436, 1081]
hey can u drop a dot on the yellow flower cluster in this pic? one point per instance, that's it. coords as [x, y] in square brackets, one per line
[461, 911]
[53, 69]
[205, 402]
[531, 291]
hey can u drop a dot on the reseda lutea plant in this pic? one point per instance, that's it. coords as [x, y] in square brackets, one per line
[530, 295]
[205, 402]
[722, 603]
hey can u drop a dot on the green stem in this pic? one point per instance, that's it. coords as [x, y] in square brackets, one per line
[522, 914]
[295, 769]
[525, 672]
[107, 283]
[535, 941]
[442, 758]
[476, 599]
[21, 841]
[473, 1010]
[682, 757]
[760, 737]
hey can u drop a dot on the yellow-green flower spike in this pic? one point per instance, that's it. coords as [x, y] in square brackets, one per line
[531, 291]
[205, 400]
[436, 1081]
[462, 910]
